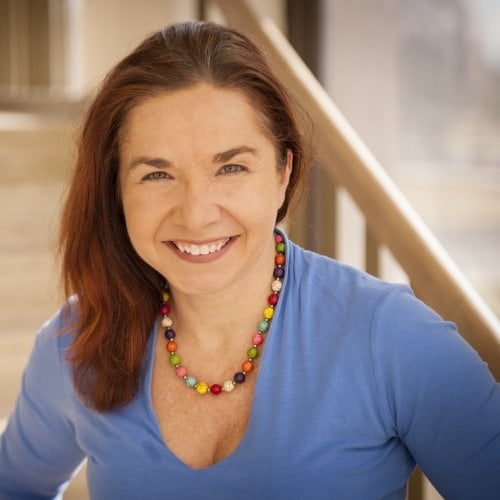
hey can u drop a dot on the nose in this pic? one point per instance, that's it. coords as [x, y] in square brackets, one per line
[197, 207]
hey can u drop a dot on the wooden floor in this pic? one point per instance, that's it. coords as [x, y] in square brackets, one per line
[35, 158]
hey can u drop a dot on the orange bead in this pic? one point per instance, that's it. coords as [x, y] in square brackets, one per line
[279, 259]
[171, 346]
[247, 366]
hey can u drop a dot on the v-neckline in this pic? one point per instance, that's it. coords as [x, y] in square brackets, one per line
[250, 427]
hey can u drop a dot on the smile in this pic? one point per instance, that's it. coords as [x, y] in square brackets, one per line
[204, 249]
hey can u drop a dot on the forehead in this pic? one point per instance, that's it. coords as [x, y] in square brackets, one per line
[195, 112]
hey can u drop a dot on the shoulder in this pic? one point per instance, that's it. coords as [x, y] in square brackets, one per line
[48, 366]
[342, 287]
[383, 319]
[57, 333]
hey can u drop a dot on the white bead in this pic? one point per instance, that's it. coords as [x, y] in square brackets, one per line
[166, 322]
[276, 286]
[228, 386]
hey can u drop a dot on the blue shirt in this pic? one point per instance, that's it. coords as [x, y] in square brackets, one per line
[357, 382]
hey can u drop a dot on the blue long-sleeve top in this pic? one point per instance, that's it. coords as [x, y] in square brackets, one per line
[358, 381]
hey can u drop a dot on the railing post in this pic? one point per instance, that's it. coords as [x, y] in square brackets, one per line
[372, 252]
[416, 486]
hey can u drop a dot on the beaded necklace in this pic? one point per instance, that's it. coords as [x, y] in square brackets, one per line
[257, 338]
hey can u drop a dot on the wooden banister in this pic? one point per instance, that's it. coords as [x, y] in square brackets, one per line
[390, 218]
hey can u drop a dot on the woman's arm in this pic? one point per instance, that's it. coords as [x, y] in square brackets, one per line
[39, 450]
[441, 398]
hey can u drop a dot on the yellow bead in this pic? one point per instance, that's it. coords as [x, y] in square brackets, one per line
[268, 312]
[202, 388]
[165, 296]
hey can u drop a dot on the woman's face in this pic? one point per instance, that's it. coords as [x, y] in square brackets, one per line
[201, 187]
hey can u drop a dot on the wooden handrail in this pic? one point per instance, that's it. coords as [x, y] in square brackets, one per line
[392, 221]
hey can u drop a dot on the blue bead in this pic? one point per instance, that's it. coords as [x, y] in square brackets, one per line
[190, 381]
[263, 326]
[169, 334]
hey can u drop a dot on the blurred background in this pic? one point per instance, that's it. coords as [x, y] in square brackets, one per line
[419, 82]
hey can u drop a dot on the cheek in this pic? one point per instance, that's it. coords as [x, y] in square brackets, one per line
[139, 219]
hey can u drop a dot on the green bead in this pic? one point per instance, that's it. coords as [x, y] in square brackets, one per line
[174, 359]
[263, 326]
[190, 381]
[280, 247]
[253, 353]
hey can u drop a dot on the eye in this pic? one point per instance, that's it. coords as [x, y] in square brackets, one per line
[232, 169]
[156, 176]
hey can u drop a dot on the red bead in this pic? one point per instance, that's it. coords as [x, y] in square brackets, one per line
[257, 339]
[165, 309]
[273, 299]
[278, 238]
[279, 260]
[215, 389]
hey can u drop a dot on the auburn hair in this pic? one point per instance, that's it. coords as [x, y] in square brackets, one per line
[118, 294]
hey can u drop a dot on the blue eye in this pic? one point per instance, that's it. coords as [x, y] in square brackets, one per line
[231, 169]
[156, 176]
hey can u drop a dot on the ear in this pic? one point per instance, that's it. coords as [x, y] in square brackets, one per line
[284, 175]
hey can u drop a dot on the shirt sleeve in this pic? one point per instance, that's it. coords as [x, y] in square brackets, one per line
[439, 397]
[38, 450]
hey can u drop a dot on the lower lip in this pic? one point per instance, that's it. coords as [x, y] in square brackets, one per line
[201, 259]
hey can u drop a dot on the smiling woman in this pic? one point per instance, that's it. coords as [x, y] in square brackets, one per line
[198, 343]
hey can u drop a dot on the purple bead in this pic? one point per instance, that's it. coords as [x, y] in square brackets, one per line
[169, 334]
[278, 272]
[239, 377]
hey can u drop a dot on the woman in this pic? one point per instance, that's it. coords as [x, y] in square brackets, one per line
[201, 354]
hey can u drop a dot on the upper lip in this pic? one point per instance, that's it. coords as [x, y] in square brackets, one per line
[201, 242]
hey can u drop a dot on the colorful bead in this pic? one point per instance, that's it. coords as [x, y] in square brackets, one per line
[278, 272]
[174, 359]
[164, 309]
[247, 366]
[215, 389]
[257, 339]
[273, 299]
[276, 286]
[166, 322]
[239, 377]
[253, 353]
[169, 334]
[279, 260]
[165, 296]
[181, 371]
[190, 381]
[268, 312]
[263, 326]
[278, 238]
[171, 346]
[202, 388]
[228, 386]
[280, 247]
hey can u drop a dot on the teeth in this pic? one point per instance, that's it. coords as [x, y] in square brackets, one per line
[205, 249]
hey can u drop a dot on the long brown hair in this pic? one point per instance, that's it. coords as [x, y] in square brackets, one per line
[118, 293]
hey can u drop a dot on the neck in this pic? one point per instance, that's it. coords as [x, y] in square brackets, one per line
[218, 317]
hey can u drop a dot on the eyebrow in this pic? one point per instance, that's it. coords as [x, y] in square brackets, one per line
[162, 163]
[152, 162]
[231, 153]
